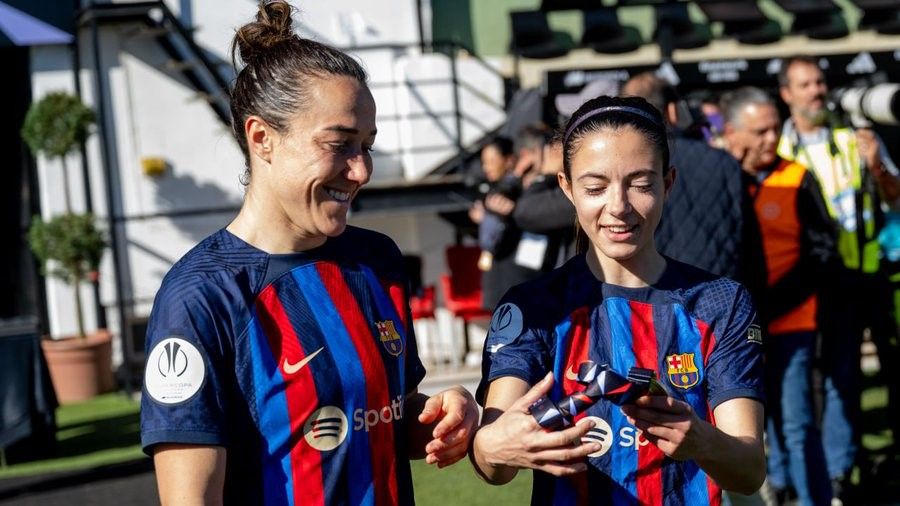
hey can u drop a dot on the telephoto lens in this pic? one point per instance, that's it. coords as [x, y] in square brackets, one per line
[876, 104]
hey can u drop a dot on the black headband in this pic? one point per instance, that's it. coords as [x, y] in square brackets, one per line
[611, 108]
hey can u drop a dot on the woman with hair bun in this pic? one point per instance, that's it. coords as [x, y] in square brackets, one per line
[621, 304]
[281, 361]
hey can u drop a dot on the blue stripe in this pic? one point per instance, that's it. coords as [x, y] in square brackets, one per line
[688, 341]
[562, 334]
[353, 380]
[387, 310]
[563, 493]
[274, 420]
[624, 459]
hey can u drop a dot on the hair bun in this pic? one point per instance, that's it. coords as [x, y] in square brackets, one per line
[273, 26]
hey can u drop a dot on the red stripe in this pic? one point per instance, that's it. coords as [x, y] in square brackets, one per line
[381, 435]
[650, 457]
[300, 392]
[714, 491]
[578, 346]
[577, 352]
[707, 344]
[398, 297]
[707, 340]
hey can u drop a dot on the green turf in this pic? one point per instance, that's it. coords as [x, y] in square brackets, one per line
[106, 430]
[102, 431]
[458, 484]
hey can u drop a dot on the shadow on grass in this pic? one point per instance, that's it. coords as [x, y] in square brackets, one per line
[97, 435]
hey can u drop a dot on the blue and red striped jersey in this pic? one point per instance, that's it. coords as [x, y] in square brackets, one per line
[297, 364]
[695, 330]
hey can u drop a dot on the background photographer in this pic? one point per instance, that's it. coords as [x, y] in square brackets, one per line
[856, 175]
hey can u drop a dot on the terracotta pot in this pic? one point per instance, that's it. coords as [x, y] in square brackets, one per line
[80, 368]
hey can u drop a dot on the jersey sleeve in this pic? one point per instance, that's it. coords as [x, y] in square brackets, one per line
[516, 343]
[415, 370]
[735, 366]
[186, 376]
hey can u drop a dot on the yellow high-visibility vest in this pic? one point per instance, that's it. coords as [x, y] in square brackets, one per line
[836, 164]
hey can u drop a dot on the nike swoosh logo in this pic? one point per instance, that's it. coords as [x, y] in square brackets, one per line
[571, 374]
[290, 368]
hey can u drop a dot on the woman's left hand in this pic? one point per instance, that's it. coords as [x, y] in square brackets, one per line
[456, 415]
[668, 423]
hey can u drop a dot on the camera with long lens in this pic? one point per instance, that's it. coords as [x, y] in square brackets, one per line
[865, 105]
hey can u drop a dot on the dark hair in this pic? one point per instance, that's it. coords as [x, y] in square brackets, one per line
[278, 66]
[534, 136]
[503, 144]
[787, 63]
[612, 113]
[652, 88]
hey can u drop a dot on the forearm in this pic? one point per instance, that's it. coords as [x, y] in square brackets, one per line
[494, 473]
[190, 475]
[736, 463]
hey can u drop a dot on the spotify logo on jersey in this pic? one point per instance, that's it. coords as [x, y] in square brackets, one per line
[326, 428]
[601, 433]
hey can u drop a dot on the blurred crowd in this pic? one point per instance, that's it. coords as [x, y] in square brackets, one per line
[803, 210]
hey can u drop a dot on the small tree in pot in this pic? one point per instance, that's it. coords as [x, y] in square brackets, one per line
[69, 246]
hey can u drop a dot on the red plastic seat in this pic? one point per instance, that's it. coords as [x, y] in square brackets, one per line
[423, 306]
[462, 286]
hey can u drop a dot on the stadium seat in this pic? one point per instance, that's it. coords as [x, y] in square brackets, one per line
[462, 288]
[883, 16]
[673, 22]
[817, 19]
[741, 19]
[603, 33]
[532, 37]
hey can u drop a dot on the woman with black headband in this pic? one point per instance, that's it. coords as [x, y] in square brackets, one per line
[620, 304]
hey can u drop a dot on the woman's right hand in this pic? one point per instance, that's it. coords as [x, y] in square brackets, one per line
[515, 440]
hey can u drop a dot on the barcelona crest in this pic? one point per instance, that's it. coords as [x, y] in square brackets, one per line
[389, 337]
[682, 371]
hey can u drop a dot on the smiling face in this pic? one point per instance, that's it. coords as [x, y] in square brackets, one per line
[618, 190]
[805, 92]
[311, 171]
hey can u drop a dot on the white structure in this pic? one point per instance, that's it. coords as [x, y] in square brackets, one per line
[152, 110]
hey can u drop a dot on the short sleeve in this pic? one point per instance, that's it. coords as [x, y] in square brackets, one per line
[735, 365]
[189, 368]
[415, 371]
[516, 343]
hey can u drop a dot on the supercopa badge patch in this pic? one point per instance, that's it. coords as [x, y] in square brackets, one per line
[175, 371]
[506, 326]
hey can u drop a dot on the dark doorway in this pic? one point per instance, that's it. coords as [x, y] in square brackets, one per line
[20, 294]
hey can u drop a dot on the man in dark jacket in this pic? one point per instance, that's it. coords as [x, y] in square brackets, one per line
[708, 219]
[545, 216]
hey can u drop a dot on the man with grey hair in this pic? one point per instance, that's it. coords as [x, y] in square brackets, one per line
[798, 241]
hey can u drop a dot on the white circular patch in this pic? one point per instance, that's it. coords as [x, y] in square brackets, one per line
[326, 428]
[601, 433]
[506, 325]
[175, 371]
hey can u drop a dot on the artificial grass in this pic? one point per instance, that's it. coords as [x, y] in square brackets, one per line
[458, 484]
[106, 430]
[102, 431]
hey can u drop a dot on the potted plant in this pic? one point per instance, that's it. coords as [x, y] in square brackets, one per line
[69, 246]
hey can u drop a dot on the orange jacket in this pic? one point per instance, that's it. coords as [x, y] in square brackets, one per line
[798, 243]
